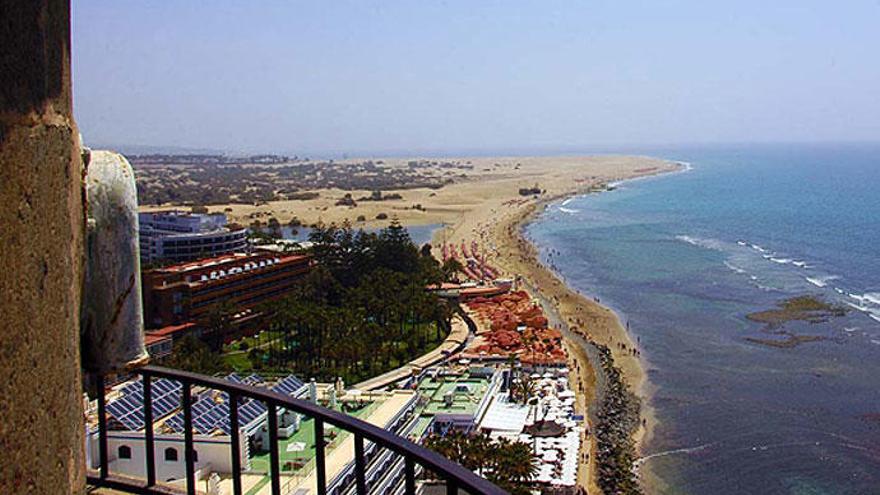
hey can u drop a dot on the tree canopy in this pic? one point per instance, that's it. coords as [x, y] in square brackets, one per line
[510, 465]
[361, 311]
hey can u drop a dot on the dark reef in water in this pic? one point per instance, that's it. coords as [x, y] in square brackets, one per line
[805, 308]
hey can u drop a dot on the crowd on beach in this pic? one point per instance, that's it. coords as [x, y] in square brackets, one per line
[616, 412]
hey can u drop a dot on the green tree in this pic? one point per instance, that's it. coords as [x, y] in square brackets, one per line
[218, 324]
[191, 354]
[451, 268]
[510, 465]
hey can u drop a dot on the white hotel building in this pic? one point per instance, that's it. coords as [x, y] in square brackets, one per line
[181, 236]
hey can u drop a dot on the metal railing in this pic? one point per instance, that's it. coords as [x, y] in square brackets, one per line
[455, 476]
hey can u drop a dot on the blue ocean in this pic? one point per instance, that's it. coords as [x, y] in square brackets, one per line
[685, 257]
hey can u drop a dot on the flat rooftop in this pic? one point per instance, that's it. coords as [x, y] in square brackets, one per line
[383, 408]
[467, 391]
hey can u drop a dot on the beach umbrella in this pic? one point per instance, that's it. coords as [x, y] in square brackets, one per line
[296, 446]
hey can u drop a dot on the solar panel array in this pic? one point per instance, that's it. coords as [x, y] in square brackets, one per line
[210, 411]
[288, 385]
[128, 410]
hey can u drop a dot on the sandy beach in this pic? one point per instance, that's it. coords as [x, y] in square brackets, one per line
[582, 316]
[486, 206]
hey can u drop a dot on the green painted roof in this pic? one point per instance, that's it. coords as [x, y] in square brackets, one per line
[464, 402]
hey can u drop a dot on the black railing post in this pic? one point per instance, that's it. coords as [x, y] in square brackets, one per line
[102, 427]
[410, 472]
[415, 457]
[235, 444]
[273, 449]
[188, 439]
[149, 441]
[320, 462]
[360, 464]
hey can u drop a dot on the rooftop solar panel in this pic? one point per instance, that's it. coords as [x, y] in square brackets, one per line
[210, 409]
[128, 409]
[288, 385]
[253, 379]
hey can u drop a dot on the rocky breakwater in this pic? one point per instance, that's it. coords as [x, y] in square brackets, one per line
[617, 420]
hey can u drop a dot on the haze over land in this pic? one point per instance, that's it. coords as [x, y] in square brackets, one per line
[478, 119]
[459, 77]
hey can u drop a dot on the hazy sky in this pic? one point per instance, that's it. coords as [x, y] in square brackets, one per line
[361, 76]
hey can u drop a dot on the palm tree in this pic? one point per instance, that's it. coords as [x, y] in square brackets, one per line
[451, 268]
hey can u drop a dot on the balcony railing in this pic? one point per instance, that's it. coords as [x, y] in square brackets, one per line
[455, 476]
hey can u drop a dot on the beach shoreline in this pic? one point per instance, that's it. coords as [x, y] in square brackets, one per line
[582, 319]
[491, 206]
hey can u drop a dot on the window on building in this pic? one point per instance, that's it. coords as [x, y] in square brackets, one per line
[124, 452]
[171, 454]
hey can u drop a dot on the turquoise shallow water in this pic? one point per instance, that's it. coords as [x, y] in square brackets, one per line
[685, 257]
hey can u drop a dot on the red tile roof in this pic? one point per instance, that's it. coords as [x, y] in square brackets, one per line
[171, 330]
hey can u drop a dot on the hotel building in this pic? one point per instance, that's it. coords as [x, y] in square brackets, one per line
[181, 236]
[179, 295]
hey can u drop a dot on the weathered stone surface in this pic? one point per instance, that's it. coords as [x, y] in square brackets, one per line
[41, 236]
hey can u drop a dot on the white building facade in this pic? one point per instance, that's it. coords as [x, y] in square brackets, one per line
[181, 236]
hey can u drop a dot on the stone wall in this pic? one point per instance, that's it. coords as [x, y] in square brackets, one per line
[41, 234]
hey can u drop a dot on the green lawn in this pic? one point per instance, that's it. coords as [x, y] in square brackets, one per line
[237, 360]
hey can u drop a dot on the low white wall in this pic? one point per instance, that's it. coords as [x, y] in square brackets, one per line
[214, 454]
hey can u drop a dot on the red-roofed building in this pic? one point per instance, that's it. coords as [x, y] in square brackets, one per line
[186, 293]
[158, 346]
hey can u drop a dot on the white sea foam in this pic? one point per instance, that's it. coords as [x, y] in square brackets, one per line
[872, 297]
[872, 313]
[567, 201]
[855, 306]
[758, 248]
[823, 281]
[875, 342]
[700, 242]
[850, 329]
[568, 210]
[742, 243]
[734, 267]
[802, 264]
[687, 166]
[858, 297]
[781, 261]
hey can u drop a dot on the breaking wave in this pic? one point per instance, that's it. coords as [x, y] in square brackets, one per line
[822, 281]
[714, 244]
